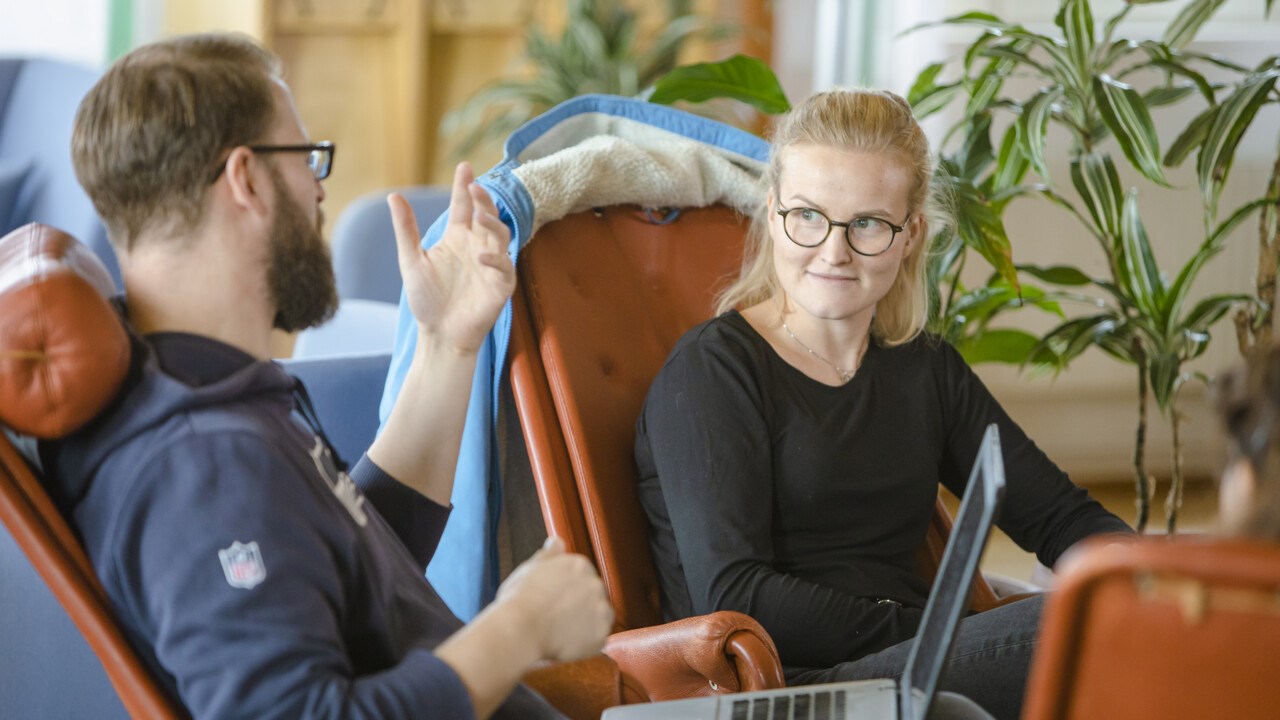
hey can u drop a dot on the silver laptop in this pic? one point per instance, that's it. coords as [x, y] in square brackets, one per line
[909, 698]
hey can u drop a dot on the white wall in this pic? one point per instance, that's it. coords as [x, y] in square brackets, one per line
[73, 30]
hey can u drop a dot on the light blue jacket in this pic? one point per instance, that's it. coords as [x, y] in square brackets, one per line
[465, 566]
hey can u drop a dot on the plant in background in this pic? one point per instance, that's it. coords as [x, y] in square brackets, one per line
[1136, 313]
[600, 50]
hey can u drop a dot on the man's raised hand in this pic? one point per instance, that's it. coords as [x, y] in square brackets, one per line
[456, 288]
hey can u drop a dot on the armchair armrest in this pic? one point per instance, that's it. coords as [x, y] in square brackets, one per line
[584, 689]
[722, 652]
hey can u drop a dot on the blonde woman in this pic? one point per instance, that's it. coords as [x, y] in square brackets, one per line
[791, 448]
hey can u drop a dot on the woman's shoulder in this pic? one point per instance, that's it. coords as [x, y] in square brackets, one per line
[727, 332]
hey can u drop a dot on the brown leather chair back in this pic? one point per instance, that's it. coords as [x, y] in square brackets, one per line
[602, 298]
[63, 355]
[1184, 628]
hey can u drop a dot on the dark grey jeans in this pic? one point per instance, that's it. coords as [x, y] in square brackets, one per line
[988, 664]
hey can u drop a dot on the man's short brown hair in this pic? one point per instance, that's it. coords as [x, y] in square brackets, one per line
[149, 135]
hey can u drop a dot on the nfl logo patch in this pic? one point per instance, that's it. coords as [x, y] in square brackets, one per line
[242, 564]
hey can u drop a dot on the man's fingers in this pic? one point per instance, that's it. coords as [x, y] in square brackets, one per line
[495, 232]
[460, 200]
[406, 225]
[481, 200]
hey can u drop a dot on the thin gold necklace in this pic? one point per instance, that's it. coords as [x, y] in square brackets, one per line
[845, 375]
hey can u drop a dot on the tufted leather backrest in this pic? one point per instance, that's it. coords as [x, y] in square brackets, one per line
[63, 355]
[1180, 629]
[64, 351]
[602, 298]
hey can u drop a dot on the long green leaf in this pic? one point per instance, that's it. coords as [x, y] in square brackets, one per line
[1076, 20]
[976, 154]
[740, 77]
[1184, 27]
[979, 19]
[940, 97]
[983, 90]
[1167, 94]
[1210, 247]
[1017, 52]
[983, 230]
[1211, 309]
[1140, 271]
[1012, 347]
[1068, 275]
[925, 84]
[1234, 116]
[1191, 137]
[1032, 125]
[1175, 67]
[1073, 337]
[1116, 52]
[1098, 183]
[1164, 370]
[1011, 162]
[1063, 68]
[1126, 116]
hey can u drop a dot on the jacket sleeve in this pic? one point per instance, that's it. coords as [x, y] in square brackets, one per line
[1044, 512]
[417, 520]
[705, 418]
[273, 646]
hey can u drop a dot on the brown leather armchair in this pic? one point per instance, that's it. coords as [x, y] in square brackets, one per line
[602, 298]
[1180, 629]
[63, 356]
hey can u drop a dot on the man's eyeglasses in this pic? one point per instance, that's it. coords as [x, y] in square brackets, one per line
[869, 236]
[319, 157]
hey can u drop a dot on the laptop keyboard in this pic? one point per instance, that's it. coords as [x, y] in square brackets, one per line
[821, 705]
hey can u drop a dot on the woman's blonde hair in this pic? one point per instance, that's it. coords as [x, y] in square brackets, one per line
[857, 120]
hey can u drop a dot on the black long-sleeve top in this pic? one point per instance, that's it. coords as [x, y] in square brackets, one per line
[803, 504]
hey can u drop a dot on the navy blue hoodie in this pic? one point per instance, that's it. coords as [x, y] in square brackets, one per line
[253, 577]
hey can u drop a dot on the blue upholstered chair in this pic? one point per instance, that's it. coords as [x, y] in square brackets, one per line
[38, 101]
[359, 327]
[364, 261]
[364, 246]
[346, 391]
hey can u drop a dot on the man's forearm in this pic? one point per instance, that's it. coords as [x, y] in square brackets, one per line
[491, 654]
[419, 444]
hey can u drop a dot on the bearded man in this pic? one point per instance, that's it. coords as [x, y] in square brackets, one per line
[253, 575]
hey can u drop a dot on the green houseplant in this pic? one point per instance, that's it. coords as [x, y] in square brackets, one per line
[600, 50]
[1136, 314]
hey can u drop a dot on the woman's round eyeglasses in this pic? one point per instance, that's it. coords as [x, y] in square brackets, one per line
[868, 236]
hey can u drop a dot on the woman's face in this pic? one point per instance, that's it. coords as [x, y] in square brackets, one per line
[831, 281]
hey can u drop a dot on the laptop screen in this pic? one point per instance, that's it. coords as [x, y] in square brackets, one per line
[950, 594]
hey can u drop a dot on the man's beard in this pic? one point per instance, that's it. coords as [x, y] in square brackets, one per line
[299, 267]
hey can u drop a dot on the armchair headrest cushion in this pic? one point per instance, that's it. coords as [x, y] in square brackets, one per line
[63, 349]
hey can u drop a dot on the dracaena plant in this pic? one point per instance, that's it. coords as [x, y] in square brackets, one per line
[1136, 313]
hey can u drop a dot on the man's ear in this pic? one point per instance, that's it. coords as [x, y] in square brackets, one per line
[246, 180]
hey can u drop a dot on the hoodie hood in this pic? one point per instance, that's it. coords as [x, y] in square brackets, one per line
[170, 375]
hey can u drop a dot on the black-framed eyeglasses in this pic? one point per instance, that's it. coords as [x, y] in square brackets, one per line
[319, 157]
[867, 235]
